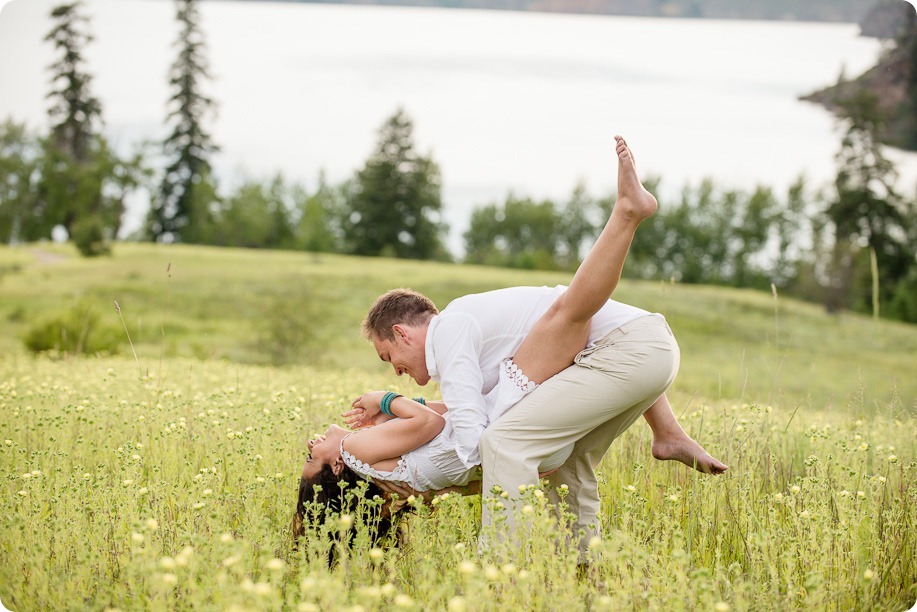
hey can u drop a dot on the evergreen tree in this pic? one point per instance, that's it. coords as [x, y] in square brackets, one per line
[908, 41]
[76, 115]
[82, 183]
[395, 199]
[866, 212]
[186, 193]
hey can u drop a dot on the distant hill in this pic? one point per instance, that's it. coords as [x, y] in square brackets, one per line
[796, 10]
[888, 19]
[890, 79]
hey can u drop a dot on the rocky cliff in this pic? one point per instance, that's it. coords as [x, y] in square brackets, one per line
[889, 80]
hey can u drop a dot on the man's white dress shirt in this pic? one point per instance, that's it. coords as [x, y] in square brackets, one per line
[469, 339]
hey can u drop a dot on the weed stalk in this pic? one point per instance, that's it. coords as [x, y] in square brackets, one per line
[131, 342]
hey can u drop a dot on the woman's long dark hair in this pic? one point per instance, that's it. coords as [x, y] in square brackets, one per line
[329, 494]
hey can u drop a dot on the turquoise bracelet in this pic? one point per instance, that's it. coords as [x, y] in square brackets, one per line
[386, 404]
[420, 400]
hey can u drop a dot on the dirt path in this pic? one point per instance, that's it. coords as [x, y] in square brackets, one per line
[45, 258]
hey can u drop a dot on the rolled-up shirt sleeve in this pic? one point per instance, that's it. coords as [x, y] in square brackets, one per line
[457, 350]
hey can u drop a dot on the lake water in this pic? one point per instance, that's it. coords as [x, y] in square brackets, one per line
[504, 101]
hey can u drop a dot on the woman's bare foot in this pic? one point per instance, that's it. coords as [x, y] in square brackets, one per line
[689, 452]
[633, 199]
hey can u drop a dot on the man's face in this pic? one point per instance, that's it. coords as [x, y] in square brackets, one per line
[406, 352]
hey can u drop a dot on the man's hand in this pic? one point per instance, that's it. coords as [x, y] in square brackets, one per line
[365, 411]
[403, 491]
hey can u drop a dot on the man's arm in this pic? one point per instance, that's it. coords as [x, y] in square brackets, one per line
[403, 491]
[457, 350]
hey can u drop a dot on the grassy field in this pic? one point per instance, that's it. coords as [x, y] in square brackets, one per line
[168, 481]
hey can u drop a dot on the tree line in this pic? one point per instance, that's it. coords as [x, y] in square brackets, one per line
[850, 244]
[811, 10]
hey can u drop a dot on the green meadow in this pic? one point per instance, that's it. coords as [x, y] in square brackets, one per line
[162, 473]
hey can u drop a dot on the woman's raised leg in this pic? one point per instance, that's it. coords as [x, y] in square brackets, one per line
[563, 330]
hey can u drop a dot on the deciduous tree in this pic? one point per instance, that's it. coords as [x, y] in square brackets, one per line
[20, 151]
[257, 215]
[519, 233]
[319, 217]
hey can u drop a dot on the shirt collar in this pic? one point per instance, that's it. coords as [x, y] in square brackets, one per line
[428, 348]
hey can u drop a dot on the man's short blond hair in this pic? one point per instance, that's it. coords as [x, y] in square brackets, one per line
[397, 307]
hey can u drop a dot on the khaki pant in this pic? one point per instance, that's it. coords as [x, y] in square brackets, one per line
[590, 403]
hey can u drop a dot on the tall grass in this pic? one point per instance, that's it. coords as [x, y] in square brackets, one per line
[119, 496]
[175, 491]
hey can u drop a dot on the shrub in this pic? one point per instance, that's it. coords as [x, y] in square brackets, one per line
[89, 235]
[290, 328]
[904, 301]
[74, 331]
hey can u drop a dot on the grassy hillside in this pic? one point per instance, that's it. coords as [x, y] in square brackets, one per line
[241, 304]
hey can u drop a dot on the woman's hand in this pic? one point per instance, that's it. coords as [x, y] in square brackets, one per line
[365, 411]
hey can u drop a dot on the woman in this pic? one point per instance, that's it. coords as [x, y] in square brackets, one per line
[411, 442]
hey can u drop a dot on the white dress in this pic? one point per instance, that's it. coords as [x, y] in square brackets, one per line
[433, 466]
[436, 464]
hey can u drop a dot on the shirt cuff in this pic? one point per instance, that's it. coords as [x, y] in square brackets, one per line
[468, 456]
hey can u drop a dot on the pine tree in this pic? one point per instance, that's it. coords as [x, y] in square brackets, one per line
[395, 199]
[82, 184]
[866, 211]
[186, 191]
[76, 115]
[908, 42]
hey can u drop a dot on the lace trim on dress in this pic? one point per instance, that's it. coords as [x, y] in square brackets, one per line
[515, 375]
[364, 469]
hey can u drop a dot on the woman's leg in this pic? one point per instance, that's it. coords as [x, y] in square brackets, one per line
[563, 330]
[671, 441]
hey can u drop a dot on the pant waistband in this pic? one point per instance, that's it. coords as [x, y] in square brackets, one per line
[624, 329]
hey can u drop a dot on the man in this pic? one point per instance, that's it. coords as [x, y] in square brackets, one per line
[599, 366]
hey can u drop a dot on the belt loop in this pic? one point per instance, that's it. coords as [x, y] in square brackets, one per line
[666, 323]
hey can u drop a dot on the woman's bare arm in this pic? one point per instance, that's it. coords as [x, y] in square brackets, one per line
[415, 426]
[367, 414]
[438, 405]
